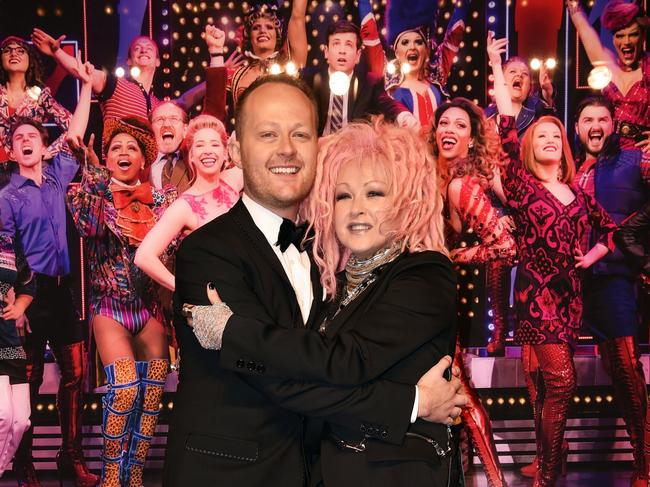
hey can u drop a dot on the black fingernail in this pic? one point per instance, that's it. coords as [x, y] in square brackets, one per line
[211, 286]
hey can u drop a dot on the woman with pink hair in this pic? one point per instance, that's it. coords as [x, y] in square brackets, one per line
[213, 191]
[629, 88]
[376, 214]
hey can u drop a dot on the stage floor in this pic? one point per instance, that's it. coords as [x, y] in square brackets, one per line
[617, 475]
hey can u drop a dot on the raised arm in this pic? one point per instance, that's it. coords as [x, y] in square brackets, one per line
[297, 32]
[50, 46]
[147, 257]
[596, 52]
[496, 47]
[79, 120]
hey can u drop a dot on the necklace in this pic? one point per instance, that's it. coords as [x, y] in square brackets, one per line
[360, 274]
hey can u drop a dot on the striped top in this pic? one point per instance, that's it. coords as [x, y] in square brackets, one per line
[123, 98]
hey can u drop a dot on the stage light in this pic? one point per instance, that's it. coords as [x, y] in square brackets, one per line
[134, 72]
[522, 400]
[34, 92]
[500, 401]
[587, 399]
[550, 63]
[491, 19]
[339, 83]
[391, 67]
[489, 401]
[275, 68]
[291, 69]
[599, 77]
[170, 405]
[50, 407]
[165, 42]
[405, 68]
[119, 72]
[535, 64]
[511, 401]
[39, 407]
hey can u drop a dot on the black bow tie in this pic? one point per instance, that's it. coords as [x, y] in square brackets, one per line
[290, 233]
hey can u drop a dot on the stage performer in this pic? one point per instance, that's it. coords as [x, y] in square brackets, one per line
[113, 211]
[528, 106]
[16, 293]
[468, 152]
[270, 279]
[619, 179]
[213, 192]
[419, 79]
[33, 212]
[539, 181]
[629, 89]
[23, 94]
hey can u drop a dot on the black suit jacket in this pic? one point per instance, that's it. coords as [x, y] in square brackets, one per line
[247, 429]
[396, 330]
[366, 96]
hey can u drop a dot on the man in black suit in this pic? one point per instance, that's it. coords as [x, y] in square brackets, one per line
[235, 429]
[366, 94]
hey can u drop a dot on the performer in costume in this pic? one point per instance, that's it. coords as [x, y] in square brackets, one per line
[629, 88]
[113, 211]
[548, 284]
[22, 94]
[214, 191]
[419, 78]
[16, 292]
[468, 153]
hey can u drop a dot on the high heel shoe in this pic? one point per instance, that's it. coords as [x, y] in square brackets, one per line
[72, 468]
[530, 470]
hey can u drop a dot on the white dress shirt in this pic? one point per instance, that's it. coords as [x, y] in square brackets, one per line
[296, 264]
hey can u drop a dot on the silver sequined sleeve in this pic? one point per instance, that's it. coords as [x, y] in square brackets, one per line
[209, 323]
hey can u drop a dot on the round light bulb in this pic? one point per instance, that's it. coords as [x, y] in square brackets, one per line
[275, 68]
[550, 63]
[119, 72]
[405, 68]
[391, 68]
[339, 83]
[599, 77]
[135, 72]
[34, 92]
[291, 69]
[535, 64]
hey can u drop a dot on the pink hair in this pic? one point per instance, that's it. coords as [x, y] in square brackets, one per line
[412, 177]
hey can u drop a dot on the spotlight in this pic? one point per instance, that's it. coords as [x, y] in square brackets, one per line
[339, 83]
[599, 77]
[291, 69]
[134, 72]
[550, 63]
[535, 64]
[34, 92]
[405, 68]
[119, 72]
[391, 67]
[275, 68]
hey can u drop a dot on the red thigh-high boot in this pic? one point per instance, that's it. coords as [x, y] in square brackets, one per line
[478, 423]
[621, 360]
[498, 279]
[69, 400]
[559, 382]
[531, 368]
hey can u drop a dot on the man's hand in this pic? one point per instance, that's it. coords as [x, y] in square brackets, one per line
[83, 152]
[440, 400]
[45, 43]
